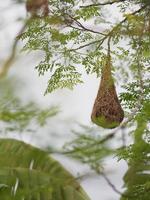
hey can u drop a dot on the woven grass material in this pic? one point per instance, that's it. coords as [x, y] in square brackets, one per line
[107, 111]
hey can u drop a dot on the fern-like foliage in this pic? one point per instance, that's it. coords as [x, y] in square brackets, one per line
[16, 116]
[68, 43]
[137, 178]
[89, 147]
[132, 94]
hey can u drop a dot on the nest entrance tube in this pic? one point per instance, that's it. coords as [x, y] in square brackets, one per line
[107, 111]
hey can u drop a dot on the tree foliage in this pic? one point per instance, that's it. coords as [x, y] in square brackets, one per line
[16, 116]
[27, 172]
[68, 43]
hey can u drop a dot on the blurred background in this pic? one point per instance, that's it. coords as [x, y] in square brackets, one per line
[74, 107]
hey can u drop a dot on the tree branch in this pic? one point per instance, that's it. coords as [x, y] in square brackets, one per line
[83, 27]
[109, 34]
[111, 184]
[103, 4]
[7, 64]
[85, 45]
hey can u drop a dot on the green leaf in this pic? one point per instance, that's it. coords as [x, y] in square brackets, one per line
[63, 77]
[27, 172]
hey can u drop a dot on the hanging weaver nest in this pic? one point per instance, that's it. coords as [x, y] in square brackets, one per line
[107, 111]
[37, 6]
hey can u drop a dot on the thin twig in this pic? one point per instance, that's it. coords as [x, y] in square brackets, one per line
[83, 27]
[86, 29]
[85, 45]
[85, 176]
[120, 23]
[103, 4]
[9, 61]
[110, 33]
[139, 70]
[111, 184]
[7, 64]
[106, 138]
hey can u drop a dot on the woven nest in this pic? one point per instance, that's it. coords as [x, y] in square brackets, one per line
[107, 111]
